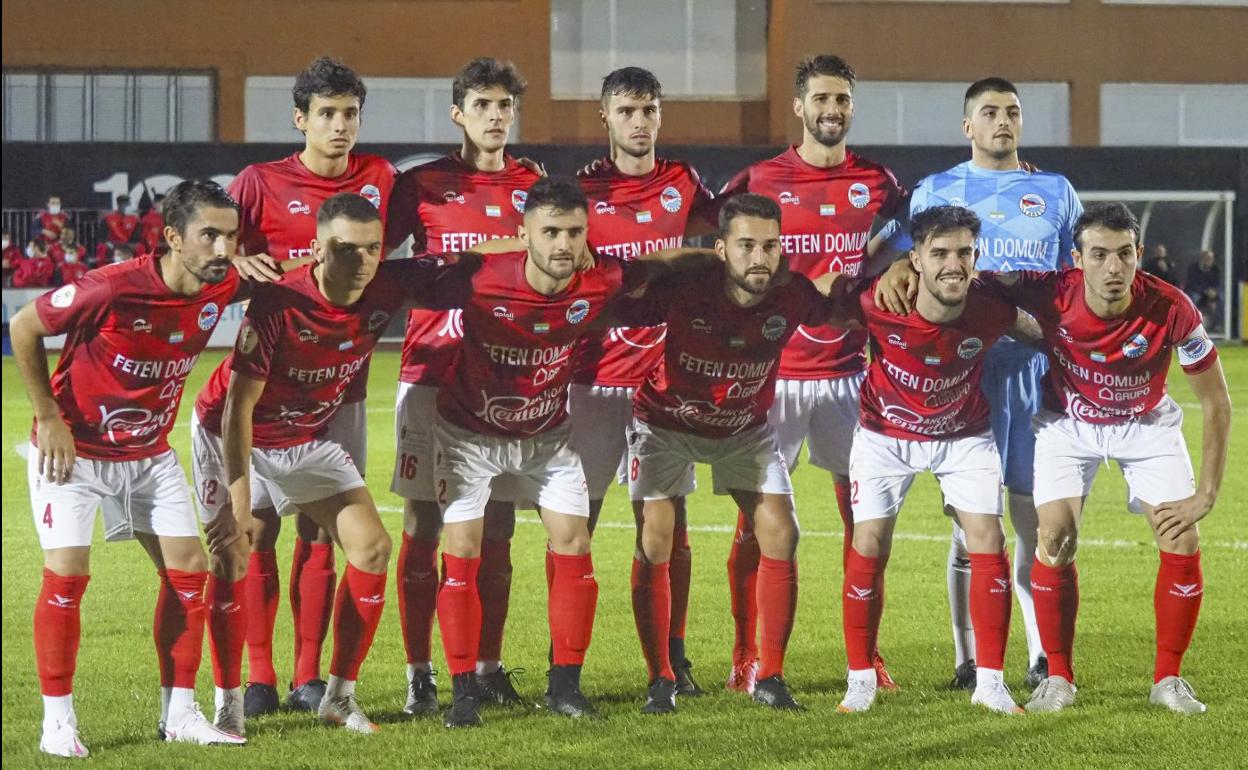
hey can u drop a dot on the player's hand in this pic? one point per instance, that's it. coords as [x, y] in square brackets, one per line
[532, 165]
[1030, 168]
[592, 167]
[1175, 518]
[56, 450]
[897, 288]
[258, 267]
[222, 531]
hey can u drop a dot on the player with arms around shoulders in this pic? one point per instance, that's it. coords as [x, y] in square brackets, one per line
[1109, 329]
[135, 330]
[472, 195]
[280, 200]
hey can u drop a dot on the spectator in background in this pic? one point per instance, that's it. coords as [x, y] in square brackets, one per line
[51, 220]
[1204, 287]
[153, 224]
[1160, 265]
[11, 258]
[35, 270]
[122, 252]
[67, 249]
[121, 225]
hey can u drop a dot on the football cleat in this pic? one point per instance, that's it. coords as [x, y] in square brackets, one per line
[229, 717]
[564, 696]
[859, 696]
[686, 687]
[995, 696]
[661, 698]
[1054, 694]
[1037, 673]
[63, 741]
[965, 676]
[883, 679]
[345, 711]
[260, 699]
[193, 727]
[307, 696]
[465, 702]
[422, 694]
[773, 692]
[743, 676]
[498, 687]
[1176, 694]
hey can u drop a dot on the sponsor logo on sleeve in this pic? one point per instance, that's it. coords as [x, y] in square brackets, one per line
[518, 198]
[1135, 347]
[970, 347]
[64, 296]
[859, 195]
[373, 194]
[578, 311]
[298, 207]
[1032, 205]
[209, 315]
[670, 200]
[248, 340]
[774, 326]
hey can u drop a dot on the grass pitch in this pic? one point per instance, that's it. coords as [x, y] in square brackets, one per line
[924, 723]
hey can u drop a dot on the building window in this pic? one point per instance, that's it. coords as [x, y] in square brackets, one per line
[712, 49]
[912, 113]
[109, 107]
[1171, 114]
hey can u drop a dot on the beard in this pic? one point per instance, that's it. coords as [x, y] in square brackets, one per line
[828, 138]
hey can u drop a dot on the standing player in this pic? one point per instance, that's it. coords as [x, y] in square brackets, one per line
[1109, 329]
[451, 204]
[279, 201]
[1028, 221]
[922, 409]
[639, 204]
[830, 198]
[101, 439]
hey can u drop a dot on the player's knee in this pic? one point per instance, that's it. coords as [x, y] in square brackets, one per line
[571, 542]
[1057, 545]
[373, 554]
[231, 564]
[68, 561]
[1185, 543]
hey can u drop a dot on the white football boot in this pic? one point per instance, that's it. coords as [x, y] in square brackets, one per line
[229, 717]
[341, 709]
[995, 696]
[1176, 694]
[1054, 694]
[191, 726]
[61, 739]
[860, 693]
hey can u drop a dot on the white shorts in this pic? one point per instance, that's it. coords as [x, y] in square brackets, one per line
[661, 462]
[307, 472]
[212, 486]
[415, 409]
[148, 495]
[1150, 451]
[823, 413]
[349, 429]
[543, 469]
[881, 469]
[601, 417]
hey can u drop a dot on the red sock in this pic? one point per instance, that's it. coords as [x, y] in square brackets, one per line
[777, 608]
[1176, 603]
[990, 607]
[418, 596]
[261, 591]
[550, 570]
[652, 611]
[316, 607]
[357, 611]
[862, 606]
[459, 612]
[1055, 591]
[58, 629]
[742, 586]
[178, 626]
[680, 570]
[573, 601]
[494, 587]
[294, 589]
[227, 630]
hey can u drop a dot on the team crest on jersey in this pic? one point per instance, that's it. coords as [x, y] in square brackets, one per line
[578, 311]
[209, 315]
[602, 207]
[373, 194]
[1032, 205]
[248, 340]
[377, 320]
[970, 347]
[787, 198]
[1135, 347]
[298, 207]
[518, 199]
[307, 335]
[670, 200]
[859, 195]
[1194, 348]
[450, 196]
[64, 296]
[141, 325]
[774, 326]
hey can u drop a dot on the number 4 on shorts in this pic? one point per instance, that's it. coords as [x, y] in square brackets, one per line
[47, 516]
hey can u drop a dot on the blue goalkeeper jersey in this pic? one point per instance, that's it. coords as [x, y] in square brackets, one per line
[1028, 218]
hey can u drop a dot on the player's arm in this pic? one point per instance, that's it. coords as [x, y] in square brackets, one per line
[1026, 329]
[236, 426]
[1209, 385]
[663, 262]
[56, 441]
[842, 298]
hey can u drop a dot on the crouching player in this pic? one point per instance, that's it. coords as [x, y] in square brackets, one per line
[1109, 330]
[922, 409]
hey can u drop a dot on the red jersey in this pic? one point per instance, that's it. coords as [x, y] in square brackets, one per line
[923, 382]
[280, 200]
[449, 206]
[308, 350]
[57, 252]
[131, 343]
[512, 372]
[72, 272]
[153, 224]
[52, 222]
[120, 226]
[717, 376]
[630, 216]
[33, 272]
[1109, 371]
[825, 225]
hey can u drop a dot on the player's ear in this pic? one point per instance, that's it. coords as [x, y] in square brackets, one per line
[1076, 257]
[721, 249]
[522, 234]
[602, 115]
[173, 238]
[300, 120]
[457, 115]
[318, 250]
[966, 128]
[797, 106]
[914, 260]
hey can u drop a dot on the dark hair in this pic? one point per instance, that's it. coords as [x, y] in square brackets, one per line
[1109, 215]
[562, 195]
[939, 220]
[983, 86]
[158, 197]
[631, 81]
[326, 77]
[747, 205]
[185, 198]
[823, 64]
[484, 72]
[347, 205]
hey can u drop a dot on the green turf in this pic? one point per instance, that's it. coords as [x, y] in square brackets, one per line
[1112, 724]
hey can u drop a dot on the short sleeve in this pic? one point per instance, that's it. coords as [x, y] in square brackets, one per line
[651, 308]
[438, 282]
[735, 186]
[403, 216]
[819, 308]
[898, 237]
[77, 307]
[1072, 210]
[704, 208]
[896, 199]
[1032, 290]
[1187, 334]
[258, 338]
[248, 190]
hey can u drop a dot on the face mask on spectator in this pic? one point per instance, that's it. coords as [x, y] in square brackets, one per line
[6, 243]
[30, 251]
[71, 256]
[54, 208]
